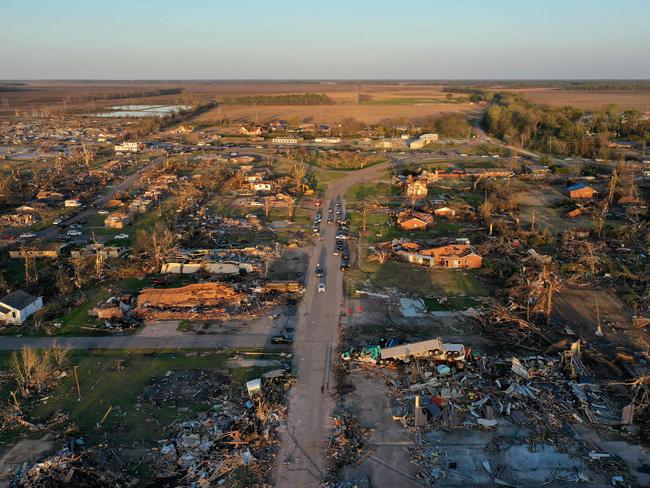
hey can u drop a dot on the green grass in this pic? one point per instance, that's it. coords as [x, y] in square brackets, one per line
[417, 280]
[103, 386]
[73, 321]
[324, 178]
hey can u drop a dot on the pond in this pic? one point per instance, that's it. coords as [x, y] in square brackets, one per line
[142, 110]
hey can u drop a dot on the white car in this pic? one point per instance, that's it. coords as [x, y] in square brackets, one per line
[27, 235]
[122, 236]
[73, 232]
[102, 212]
[321, 287]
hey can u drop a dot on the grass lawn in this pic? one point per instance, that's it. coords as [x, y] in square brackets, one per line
[73, 321]
[132, 420]
[103, 386]
[324, 178]
[417, 280]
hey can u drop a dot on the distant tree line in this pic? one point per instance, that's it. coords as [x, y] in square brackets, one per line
[475, 94]
[564, 130]
[460, 86]
[13, 87]
[292, 99]
[135, 94]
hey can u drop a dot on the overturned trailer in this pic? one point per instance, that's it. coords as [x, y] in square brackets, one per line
[432, 348]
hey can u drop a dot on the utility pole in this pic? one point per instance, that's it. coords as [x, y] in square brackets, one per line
[532, 224]
[599, 328]
[76, 379]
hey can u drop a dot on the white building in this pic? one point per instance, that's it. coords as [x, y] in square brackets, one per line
[287, 140]
[423, 140]
[133, 147]
[327, 140]
[17, 306]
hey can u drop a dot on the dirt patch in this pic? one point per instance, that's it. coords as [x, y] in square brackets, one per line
[388, 463]
[577, 308]
[542, 201]
[292, 265]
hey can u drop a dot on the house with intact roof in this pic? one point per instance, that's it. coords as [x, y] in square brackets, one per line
[580, 190]
[17, 306]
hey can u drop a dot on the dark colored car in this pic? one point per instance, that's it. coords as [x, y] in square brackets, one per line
[279, 339]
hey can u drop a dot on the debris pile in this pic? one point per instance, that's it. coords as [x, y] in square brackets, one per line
[235, 433]
[67, 467]
[348, 441]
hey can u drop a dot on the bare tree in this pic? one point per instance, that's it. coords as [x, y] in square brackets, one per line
[298, 171]
[163, 241]
[380, 254]
[81, 269]
[63, 283]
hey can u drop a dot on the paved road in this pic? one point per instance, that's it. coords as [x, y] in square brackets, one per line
[312, 398]
[52, 232]
[204, 341]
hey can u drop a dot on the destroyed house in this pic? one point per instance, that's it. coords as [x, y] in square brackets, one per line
[19, 219]
[189, 296]
[17, 306]
[489, 172]
[444, 212]
[51, 250]
[410, 220]
[454, 256]
[95, 249]
[118, 220]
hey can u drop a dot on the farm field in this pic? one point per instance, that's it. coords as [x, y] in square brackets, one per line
[588, 99]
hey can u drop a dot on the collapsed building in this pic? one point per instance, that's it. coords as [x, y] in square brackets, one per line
[209, 261]
[206, 295]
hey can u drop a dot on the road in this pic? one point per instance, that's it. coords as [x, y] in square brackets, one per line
[204, 341]
[52, 232]
[302, 459]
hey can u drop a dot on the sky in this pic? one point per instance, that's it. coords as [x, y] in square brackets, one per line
[353, 39]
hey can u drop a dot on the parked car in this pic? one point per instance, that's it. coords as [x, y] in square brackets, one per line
[285, 337]
[122, 236]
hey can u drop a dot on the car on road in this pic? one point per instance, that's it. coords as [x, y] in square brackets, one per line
[279, 339]
[319, 271]
[336, 251]
[330, 220]
[27, 235]
[73, 233]
[8, 237]
[122, 236]
[58, 221]
[321, 287]
[102, 212]
[285, 337]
